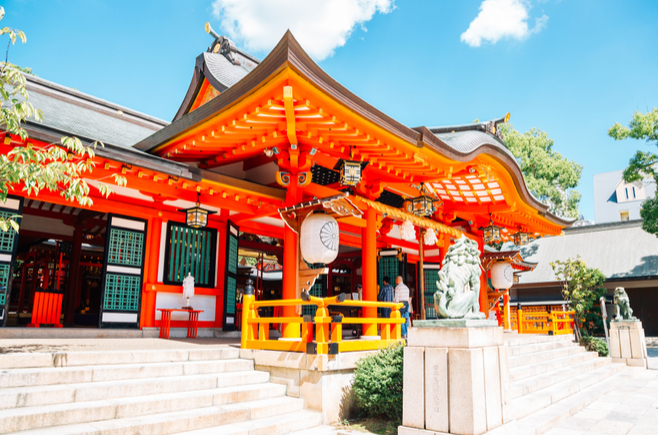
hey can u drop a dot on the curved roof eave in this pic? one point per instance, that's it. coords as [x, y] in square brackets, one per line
[288, 53]
[486, 144]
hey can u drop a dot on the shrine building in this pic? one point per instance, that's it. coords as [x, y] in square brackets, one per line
[252, 142]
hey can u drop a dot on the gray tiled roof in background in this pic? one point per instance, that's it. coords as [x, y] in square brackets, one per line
[621, 250]
[73, 112]
[223, 70]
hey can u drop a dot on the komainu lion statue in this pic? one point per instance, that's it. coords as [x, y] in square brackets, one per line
[459, 282]
[623, 306]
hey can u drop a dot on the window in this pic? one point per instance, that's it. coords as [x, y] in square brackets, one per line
[624, 215]
[627, 193]
[633, 191]
[190, 250]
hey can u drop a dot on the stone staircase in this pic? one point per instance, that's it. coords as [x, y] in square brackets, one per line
[552, 378]
[191, 391]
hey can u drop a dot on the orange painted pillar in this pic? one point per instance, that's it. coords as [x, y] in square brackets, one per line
[507, 323]
[369, 251]
[152, 260]
[291, 331]
[484, 287]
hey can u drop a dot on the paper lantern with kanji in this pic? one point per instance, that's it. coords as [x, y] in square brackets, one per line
[502, 275]
[318, 239]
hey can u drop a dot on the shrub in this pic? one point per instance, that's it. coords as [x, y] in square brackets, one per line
[595, 344]
[377, 383]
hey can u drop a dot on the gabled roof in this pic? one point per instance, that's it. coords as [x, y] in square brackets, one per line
[621, 250]
[67, 111]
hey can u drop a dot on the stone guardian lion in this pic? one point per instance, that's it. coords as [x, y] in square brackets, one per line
[623, 306]
[458, 286]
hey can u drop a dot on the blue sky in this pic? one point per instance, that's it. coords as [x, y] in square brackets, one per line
[583, 66]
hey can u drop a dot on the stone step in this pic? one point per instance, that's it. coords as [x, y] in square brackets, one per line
[545, 380]
[529, 339]
[295, 423]
[534, 402]
[12, 378]
[536, 369]
[35, 417]
[192, 419]
[549, 417]
[538, 347]
[537, 357]
[82, 358]
[91, 391]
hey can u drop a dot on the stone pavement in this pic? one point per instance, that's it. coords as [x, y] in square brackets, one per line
[632, 409]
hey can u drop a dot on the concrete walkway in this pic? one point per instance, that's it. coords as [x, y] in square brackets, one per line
[632, 409]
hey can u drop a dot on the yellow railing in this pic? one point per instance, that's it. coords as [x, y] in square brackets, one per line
[328, 329]
[553, 323]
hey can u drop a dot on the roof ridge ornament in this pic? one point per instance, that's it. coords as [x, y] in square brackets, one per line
[222, 45]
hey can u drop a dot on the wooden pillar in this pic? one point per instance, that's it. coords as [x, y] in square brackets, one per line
[484, 286]
[291, 331]
[369, 251]
[152, 261]
[421, 276]
[508, 320]
[74, 276]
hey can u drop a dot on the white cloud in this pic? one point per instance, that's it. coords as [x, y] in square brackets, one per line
[501, 19]
[320, 26]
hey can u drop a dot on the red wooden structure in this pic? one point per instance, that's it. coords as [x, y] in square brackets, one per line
[192, 322]
[47, 309]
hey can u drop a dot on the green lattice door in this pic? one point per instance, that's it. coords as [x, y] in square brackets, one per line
[230, 276]
[123, 272]
[431, 275]
[13, 207]
[391, 263]
[319, 290]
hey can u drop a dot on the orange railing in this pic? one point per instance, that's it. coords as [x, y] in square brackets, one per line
[551, 323]
[328, 329]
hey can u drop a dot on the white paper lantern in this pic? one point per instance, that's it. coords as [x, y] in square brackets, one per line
[318, 239]
[502, 275]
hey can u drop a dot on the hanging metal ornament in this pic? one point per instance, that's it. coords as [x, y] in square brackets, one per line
[407, 231]
[430, 237]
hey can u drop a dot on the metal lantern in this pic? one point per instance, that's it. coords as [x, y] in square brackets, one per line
[521, 238]
[516, 278]
[422, 205]
[318, 239]
[502, 275]
[197, 217]
[491, 233]
[350, 172]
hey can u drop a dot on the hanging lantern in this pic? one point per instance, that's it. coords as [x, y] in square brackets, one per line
[318, 239]
[423, 205]
[430, 237]
[502, 275]
[197, 217]
[407, 231]
[491, 233]
[516, 278]
[521, 238]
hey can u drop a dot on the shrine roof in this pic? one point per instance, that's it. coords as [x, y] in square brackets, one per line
[67, 111]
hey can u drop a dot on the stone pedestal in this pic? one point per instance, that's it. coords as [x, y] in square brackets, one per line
[627, 343]
[456, 378]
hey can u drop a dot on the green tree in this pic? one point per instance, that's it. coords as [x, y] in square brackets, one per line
[55, 167]
[549, 176]
[642, 164]
[582, 287]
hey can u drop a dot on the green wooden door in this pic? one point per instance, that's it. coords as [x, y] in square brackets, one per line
[230, 276]
[431, 275]
[13, 207]
[391, 263]
[123, 272]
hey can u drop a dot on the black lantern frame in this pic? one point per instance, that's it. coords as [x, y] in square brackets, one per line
[491, 233]
[521, 238]
[351, 171]
[197, 217]
[423, 205]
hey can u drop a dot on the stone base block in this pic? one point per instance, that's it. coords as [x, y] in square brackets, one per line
[464, 375]
[628, 344]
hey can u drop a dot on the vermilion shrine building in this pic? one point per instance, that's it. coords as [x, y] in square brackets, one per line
[250, 138]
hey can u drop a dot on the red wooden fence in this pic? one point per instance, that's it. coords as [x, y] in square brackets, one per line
[46, 309]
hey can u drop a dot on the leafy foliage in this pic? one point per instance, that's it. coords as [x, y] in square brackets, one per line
[55, 167]
[595, 344]
[549, 176]
[642, 164]
[581, 286]
[378, 383]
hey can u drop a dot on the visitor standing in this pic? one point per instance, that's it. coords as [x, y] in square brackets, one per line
[386, 294]
[402, 296]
